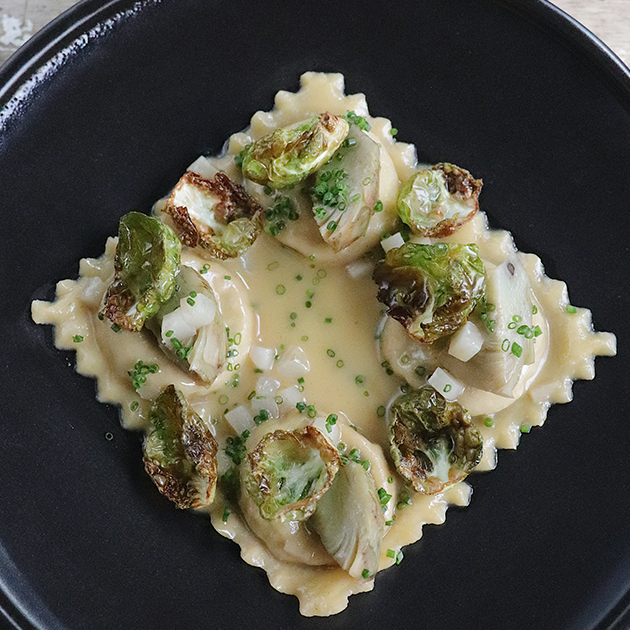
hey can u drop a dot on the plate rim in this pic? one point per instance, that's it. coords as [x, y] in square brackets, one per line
[64, 31]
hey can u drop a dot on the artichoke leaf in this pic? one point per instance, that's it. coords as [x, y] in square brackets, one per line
[215, 214]
[437, 201]
[190, 327]
[506, 320]
[288, 472]
[180, 452]
[345, 190]
[431, 289]
[350, 522]
[289, 155]
[433, 442]
[148, 256]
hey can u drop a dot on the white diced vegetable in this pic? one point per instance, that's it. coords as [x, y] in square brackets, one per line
[198, 311]
[268, 404]
[176, 326]
[360, 268]
[445, 384]
[267, 386]
[263, 358]
[291, 396]
[293, 363]
[240, 419]
[202, 166]
[392, 242]
[466, 342]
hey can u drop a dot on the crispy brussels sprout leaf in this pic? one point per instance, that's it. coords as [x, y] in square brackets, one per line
[216, 214]
[431, 289]
[147, 260]
[350, 522]
[180, 453]
[432, 441]
[437, 201]
[289, 471]
[345, 190]
[190, 327]
[290, 154]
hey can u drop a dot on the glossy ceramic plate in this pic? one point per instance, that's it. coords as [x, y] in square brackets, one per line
[103, 110]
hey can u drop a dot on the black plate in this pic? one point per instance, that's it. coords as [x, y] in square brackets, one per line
[512, 90]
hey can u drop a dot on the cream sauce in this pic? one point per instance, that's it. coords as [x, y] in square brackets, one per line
[276, 297]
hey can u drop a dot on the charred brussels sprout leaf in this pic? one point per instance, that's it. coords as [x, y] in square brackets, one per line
[431, 289]
[349, 521]
[147, 259]
[437, 201]
[216, 214]
[289, 471]
[290, 154]
[432, 441]
[180, 453]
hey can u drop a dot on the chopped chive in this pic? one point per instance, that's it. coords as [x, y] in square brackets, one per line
[281, 289]
[393, 131]
[534, 309]
[190, 301]
[340, 363]
[134, 405]
[77, 338]
[227, 277]
[331, 421]
[383, 497]
[330, 353]
[380, 411]
[359, 380]
[571, 309]
[517, 350]
[526, 428]
[116, 327]
[489, 422]
[328, 320]
[293, 315]
[273, 265]
[378, 206]
[226, 514]
[391, 553]
[366, 574]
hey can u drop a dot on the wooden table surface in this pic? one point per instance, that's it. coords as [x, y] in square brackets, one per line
[608, 19]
